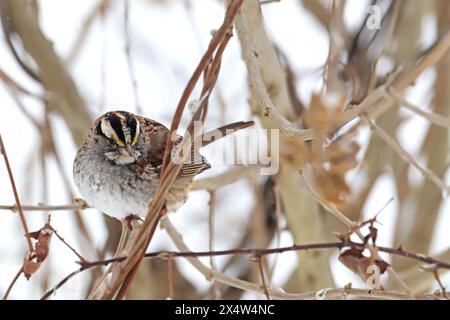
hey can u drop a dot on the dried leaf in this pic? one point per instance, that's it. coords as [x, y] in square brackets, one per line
[368, 268]
[324, 112]
[33, 261]
[30, 266]
[294, 152]
[332, 186]
[43, 243]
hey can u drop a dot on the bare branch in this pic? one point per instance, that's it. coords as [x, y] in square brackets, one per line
[13, 282]
[432, 117]
[410, 159]
[16, 196]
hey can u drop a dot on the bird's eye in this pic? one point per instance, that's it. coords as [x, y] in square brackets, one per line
[111, 128]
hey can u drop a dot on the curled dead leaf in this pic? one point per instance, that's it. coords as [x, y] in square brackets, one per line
[33, 260]
[294, 152]
[30, 265]
[332, 186]
[323, 114]
[368, 268]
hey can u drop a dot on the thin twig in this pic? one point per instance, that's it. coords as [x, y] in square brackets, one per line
[263, 2]
[390, 33]
[263, 277]
[14, 85]
[118, 253]
[218, 37]
[228, 177]
[16, 196]
[257, 84]
[13, 282]
[131, 72]
[432, 117]
[427, 173]
[329, 206]
[61, 283]
[99, 10]
[312, 246]
[82, 259]
[253, 252]
[170, 276]
[441, 285]
[211, 216]
[67, 207]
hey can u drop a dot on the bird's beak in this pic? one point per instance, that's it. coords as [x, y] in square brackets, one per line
[125, 156]
[124, 152]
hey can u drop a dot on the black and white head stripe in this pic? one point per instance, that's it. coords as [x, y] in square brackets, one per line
[120, 126]
[133, 128]
[116, 124]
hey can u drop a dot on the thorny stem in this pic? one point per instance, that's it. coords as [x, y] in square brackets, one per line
[255, 252]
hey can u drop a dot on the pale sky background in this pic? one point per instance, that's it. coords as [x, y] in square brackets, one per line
[165, 51]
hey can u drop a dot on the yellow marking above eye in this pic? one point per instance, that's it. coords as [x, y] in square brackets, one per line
[118, 141]
[110, 133]
[136, 135]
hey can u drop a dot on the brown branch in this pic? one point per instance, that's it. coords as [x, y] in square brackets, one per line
[263, 2]
[13, 282]
[130, 64]
[263, 278]
[374, 105]
[170, 276]
[318, 11]
[433, 117]
[170, 170]
[61, 283]
[66, 207]
[427, 173]
[218, 37]
[16, 196]
[99, 10]
[13, 84]
[258, 87]
[82, 259]
[415, 256]
[256, 252]
[211, 236]
[225, 178]
[275, 293]
[52, 72]
[441, 285]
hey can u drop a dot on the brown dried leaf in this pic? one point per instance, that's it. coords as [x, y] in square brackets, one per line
[43, 243]
[294, 152]
[342, 156]
[30, 266]
[33, 261]
[323, 113]
[332, 186]
[363, 266]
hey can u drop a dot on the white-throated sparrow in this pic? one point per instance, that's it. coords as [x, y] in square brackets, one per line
[117, 169]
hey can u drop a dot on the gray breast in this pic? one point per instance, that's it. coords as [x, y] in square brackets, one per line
[111, 188]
